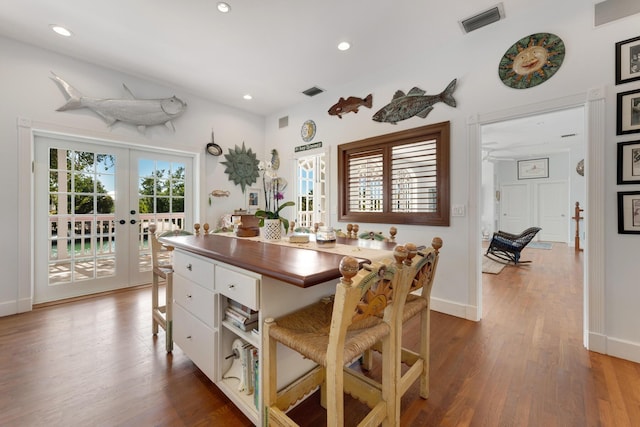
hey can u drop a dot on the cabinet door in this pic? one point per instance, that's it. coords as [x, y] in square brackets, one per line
[196, 339]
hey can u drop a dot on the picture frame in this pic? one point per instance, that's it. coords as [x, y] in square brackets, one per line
[629, 212]
[628, 109]
[628, 60]
[533, 168]
[253, 200]
[629, 162]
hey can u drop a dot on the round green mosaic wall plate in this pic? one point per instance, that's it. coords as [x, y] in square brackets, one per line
[531, 61]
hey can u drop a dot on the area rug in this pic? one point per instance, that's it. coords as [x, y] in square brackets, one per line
[490, 266]
[539, 245]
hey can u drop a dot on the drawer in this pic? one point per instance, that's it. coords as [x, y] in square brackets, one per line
[194, 268]
[195, 299]
[196, 339]
[238, 286]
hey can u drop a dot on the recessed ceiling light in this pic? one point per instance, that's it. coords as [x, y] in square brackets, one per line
[248, 97]
[224, 7]
[61, 30]
[344, 46]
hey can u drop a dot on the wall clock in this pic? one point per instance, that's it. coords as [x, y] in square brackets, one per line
[531, 61]
[308, 130]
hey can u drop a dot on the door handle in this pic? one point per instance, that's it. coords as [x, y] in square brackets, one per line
[133, 221]
[122, 221]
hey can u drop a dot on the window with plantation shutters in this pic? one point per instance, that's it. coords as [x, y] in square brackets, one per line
[398, 178]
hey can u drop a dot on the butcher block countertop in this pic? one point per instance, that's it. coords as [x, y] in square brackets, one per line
[300, 266]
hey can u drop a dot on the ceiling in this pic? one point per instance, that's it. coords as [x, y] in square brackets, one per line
[273, 50]
[542, 134]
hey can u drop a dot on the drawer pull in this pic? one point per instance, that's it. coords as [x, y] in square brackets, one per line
[232, 286]
[189, 296]
[188, 337]
[189, 267]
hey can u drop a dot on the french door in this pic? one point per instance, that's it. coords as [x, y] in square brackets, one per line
[93, 206]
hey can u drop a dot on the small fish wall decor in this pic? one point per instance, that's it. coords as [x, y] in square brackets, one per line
[138, 112]
[415, 103]
[351, 104]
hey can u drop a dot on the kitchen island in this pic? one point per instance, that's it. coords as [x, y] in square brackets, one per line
[213, 272]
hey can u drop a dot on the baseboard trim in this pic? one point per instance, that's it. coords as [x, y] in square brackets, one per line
[623, 349]
[454, 309]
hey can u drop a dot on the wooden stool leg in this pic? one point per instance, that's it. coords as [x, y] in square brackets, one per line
[154, 304]
[425, 320]
[169, 313]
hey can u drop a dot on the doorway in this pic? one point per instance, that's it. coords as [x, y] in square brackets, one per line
[93, 205]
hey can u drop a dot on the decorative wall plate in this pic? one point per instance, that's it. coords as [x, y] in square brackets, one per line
[241, 166]
[531, 60]
[308, 130]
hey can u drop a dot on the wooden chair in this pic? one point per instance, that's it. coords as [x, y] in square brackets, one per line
[162, 314]
[366, 309]
[420, 266]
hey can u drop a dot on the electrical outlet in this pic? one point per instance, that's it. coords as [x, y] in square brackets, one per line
[458, 210]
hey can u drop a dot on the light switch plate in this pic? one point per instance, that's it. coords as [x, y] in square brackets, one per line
[458, 210]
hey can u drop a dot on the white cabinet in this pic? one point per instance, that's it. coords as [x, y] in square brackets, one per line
[202, 287]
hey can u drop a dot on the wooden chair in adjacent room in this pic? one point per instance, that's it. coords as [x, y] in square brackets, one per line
[162, 314]
[366, 309]
[421, 267]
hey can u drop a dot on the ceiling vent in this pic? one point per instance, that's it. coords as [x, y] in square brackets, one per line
[283, 122]
[484, 18]
[312, 91]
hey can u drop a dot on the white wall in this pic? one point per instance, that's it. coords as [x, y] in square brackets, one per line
[29, 93]
[589, 63]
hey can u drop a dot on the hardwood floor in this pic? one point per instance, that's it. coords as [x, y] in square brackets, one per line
[94, 362]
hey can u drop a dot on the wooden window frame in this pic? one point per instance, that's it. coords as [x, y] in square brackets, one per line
[441, 133]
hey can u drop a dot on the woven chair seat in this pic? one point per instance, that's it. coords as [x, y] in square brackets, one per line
[307, 332]
[414, 305]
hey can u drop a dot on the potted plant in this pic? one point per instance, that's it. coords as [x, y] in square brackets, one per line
[273, 187]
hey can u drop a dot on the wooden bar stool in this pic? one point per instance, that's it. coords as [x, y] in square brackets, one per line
[366, 309]
[162, 314]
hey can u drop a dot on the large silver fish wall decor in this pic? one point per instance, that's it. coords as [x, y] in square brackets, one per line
[415, 103]
[138, 112]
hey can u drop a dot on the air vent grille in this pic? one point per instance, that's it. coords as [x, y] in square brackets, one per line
[312, 91]
[283, 122]
[482, 19]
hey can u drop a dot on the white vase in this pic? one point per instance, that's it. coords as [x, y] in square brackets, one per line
[272, 229]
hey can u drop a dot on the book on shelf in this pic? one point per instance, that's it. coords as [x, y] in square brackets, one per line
[232, 314]
[242, 309]
[246, 327]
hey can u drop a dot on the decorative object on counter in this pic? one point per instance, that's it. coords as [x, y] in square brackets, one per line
[351, 104]
[628, 112]
[242, 166]
[213, 148]
[316, 226]
[308, 130]
[205, 228]
[628, 60]
[273, 187]
[299, 238]
[531, 61]
[138, 112]
[352, 231]
[415, 103]
[392, 234]
[325, 237]
[271, 229]
[253, 200]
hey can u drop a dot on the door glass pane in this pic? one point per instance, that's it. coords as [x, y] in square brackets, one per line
[81, 216]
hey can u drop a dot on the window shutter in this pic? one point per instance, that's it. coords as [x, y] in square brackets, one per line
[414, 177]
[365, 181]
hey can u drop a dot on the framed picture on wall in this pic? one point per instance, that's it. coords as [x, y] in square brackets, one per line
[628, 60]
[629, 212]
[253, 200]
[628, 112]
[629, 162]
[533, 168]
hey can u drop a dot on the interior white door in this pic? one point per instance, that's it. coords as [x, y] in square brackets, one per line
[553, 211]
[93, 205]
[515, 209]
